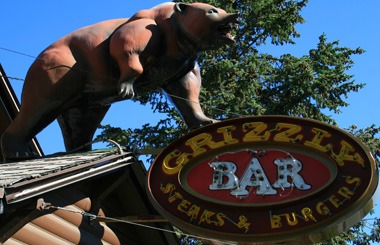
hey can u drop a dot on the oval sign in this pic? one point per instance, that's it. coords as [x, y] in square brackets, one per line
[264, 179]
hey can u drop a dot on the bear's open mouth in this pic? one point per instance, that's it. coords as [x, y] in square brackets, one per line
[225, 30]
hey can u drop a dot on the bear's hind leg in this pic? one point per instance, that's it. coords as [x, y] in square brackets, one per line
[78, 125]
[15, 140]
[47, 91]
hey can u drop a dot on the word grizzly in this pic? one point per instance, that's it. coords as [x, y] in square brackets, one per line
[256, 132]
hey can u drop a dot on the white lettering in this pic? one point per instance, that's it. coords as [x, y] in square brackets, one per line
[224, 177]
[261, 181]
[289, 167]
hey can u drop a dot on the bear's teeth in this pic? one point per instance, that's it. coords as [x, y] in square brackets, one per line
[229, 35]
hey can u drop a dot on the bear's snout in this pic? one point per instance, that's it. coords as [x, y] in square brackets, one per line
[228, 24]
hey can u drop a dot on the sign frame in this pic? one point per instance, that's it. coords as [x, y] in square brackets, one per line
[346, 198]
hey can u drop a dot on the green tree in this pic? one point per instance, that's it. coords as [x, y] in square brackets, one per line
[243, 80]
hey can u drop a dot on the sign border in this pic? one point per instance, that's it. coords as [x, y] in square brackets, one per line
[317, 232]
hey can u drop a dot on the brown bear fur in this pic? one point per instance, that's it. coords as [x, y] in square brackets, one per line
[77, 78]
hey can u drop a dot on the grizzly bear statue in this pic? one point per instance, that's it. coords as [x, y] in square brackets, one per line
[77, 78]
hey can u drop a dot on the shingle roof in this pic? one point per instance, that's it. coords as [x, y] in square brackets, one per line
[22, 180]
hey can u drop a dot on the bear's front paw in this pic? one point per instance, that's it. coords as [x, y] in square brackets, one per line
[126, 90]
[203, 122]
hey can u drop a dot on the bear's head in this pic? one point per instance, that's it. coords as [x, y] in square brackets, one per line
[203, 26]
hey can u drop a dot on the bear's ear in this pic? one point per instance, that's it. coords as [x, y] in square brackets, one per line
[180, 7]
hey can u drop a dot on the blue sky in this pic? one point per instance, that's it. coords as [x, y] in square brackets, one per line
[28, 27]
